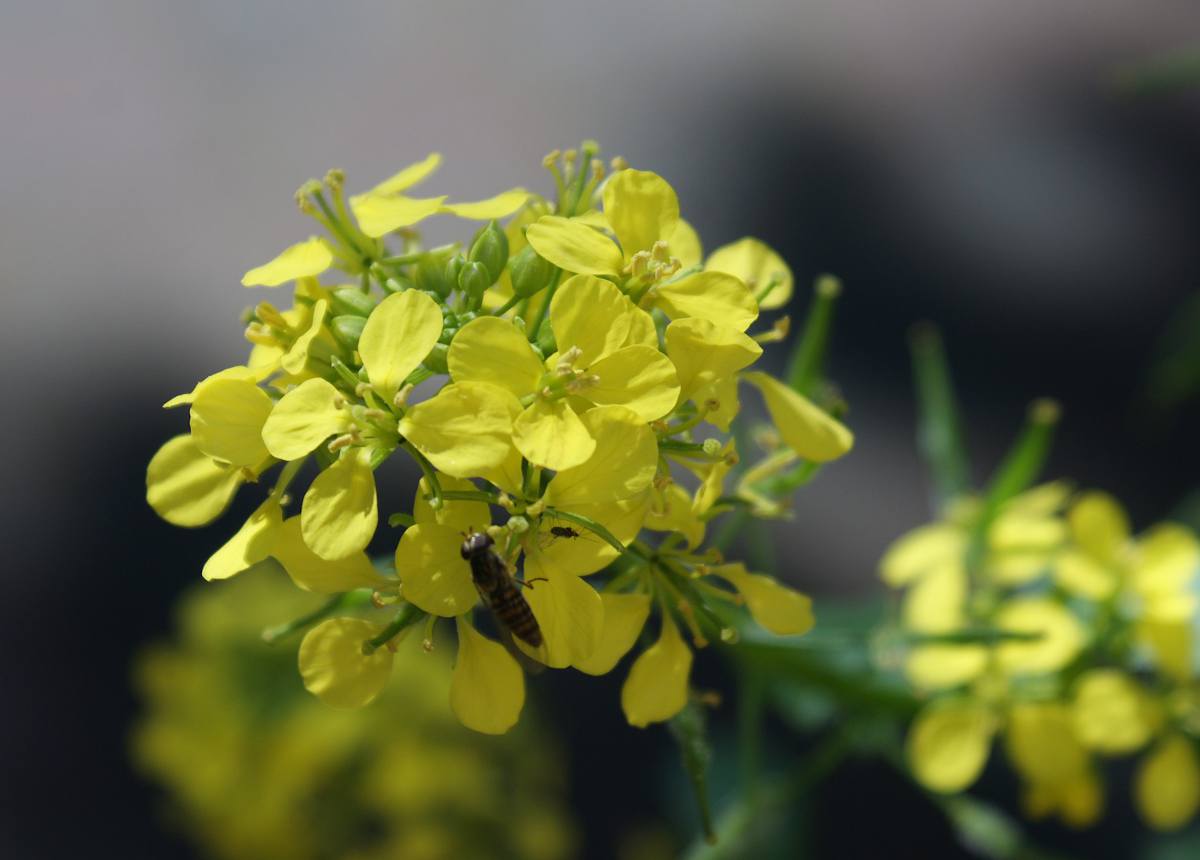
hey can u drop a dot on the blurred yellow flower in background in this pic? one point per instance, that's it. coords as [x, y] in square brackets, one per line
[255, 769]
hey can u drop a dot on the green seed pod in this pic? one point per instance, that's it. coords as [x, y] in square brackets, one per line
[530, 273]
[351, 301]
[436, 360]
[490, 247]
[473, 280]
[347, 329]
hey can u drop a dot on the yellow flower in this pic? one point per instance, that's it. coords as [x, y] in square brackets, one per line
[224, 720]
[641, 210]
[762, 270]
[386, 208]
[607, 356]
[1150, 577]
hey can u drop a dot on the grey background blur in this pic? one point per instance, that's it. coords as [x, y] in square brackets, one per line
[968, 162]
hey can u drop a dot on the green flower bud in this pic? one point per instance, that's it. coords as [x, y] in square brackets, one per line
[430, 275]
[447, 335]
[490, 247]
[474, 279]
[436, 360]
[545, 341]
[529, 272]
[454, 267]
[347, 329]
[351, 301]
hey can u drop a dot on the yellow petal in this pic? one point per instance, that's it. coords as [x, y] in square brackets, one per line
[674, 513]
[302, 260]
[1167, 789]
[714, 296]
[550, 434]
[624, 617]
[569, 613]
[806, 429]
[304, 418]
[339, 513]
[295, 359]
[712, 483]
[239, 372]
[1168, 557]
[574, 247]
[227, 419]
[1062, 636]
[638, 377]
[941, 667]
[399, 334]
[250, 544]
[593, 316]
[465, 429]
[498, 206]
[948, 744]
[378, 214]
[434, 575]
[1099, 525]
[621, 465]
[921, 549]
[587, 553]
[1112, 713]
[641, 208]
[334, 667]
[1044, 500]
[777, 608]
[1171, 644]
[313, 573]
[936, 602]
[684, 244]
[705, 352]
[410, 176]
[185, 486]
[1079, 573]
[462, 516]
[1041, 743]
[490, 349]
[722, 396]
[487, 690]
[656, 688]
[756, 265]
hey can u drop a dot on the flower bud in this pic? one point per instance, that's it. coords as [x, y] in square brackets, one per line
[351, 301]
[430, 276]
[529, 272]
[347, 329]
[473, 279]
[490, 248]
[454, 267]
[436, 360]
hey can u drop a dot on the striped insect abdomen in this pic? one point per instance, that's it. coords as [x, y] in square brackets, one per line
[513, 611]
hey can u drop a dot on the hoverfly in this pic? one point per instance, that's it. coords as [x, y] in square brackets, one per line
[499, 590]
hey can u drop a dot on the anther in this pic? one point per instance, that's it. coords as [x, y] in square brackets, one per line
[335, 178]
[343, 441]
[550, 162]
[619, 163]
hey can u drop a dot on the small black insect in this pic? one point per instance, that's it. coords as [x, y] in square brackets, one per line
[564, 532]
[499, 590]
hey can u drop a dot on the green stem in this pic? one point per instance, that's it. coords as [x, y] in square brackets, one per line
[431, 477]
[404, 618]
[347, 600]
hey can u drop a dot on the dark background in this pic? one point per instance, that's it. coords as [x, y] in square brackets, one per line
[972, 165]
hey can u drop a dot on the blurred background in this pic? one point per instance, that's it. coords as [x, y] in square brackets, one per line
[972, 164]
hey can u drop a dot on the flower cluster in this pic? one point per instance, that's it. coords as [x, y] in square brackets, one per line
[256, 769]
[565, 382]
[1053, 628]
